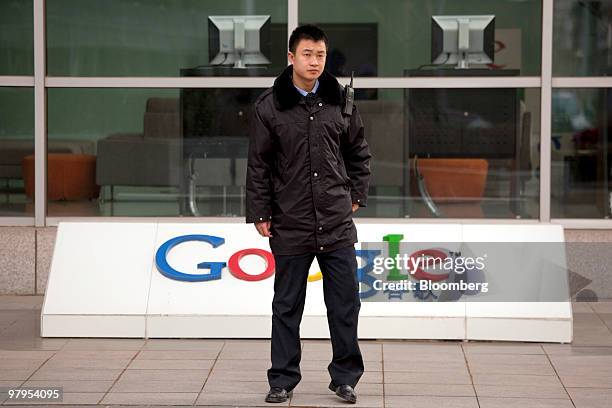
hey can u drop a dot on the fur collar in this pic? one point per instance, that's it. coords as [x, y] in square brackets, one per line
[286, 96]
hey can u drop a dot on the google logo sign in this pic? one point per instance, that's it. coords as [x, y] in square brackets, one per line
[233, 263]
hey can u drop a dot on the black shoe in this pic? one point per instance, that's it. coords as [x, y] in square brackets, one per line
[277, 394]
[344, 391]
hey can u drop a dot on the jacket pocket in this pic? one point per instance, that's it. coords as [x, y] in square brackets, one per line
[337, 178]
[282, 168]
[342, 169]
[337, 164]
[279, 174]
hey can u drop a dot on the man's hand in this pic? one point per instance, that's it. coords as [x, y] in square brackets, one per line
[264, 228]
[355, 207]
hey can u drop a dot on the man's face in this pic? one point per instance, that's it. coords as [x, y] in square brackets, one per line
[309, 59]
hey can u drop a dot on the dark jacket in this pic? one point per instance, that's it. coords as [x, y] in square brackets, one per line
[306, 166]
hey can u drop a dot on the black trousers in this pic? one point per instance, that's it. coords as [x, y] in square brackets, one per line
[341, 294]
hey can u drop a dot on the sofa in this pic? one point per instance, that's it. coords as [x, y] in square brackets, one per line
[155, 156]
[14, 150]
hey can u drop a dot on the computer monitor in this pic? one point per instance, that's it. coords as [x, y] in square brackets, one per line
[462, 40]
[239, 40]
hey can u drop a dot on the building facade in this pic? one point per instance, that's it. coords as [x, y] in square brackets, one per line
[110, 111]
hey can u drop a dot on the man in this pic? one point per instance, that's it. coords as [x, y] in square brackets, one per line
[308, 171]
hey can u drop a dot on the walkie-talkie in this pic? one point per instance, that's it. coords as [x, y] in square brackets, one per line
[349, 97]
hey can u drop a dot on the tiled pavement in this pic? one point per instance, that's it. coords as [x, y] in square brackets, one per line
[233, 372]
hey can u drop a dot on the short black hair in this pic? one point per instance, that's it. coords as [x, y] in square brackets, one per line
[306, 32]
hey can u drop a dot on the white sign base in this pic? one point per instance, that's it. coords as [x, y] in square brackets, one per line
[104, 283]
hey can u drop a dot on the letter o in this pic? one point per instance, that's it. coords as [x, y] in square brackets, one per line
[234, 264]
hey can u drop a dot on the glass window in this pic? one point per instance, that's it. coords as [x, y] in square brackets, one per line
[582, 41]
[16, 37]
[159, 37]
[16, 152]
[394, 37]
[148, 152]
[581, 154]
[452, 153]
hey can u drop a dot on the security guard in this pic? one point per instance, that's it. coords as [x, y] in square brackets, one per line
[308, 171]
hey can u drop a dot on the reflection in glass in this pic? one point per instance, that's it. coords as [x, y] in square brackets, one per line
[16, 152]
[153, 37]
[385, 38]
[581, 170]
[152, 152]
[582, 38]
[453, 153]
[169, 152]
